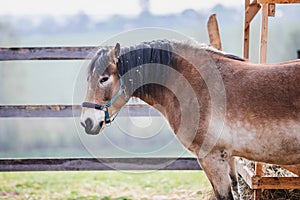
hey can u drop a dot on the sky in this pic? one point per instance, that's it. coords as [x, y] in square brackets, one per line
[105, 8]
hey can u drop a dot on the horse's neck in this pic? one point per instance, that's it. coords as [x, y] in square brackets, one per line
[176, 85]
[181, 90]
[163, 100]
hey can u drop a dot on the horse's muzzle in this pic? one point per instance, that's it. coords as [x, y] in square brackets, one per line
[89, 127]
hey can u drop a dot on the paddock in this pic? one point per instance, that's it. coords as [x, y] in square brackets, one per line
[254, 179]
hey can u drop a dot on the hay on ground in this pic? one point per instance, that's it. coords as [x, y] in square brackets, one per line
[270, 171]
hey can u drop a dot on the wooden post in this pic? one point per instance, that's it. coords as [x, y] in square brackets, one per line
[264, 33]
[213, 32]
[246, 31]
[250, 12]
[258, 172]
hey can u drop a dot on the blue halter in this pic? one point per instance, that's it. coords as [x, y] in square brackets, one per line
[105, 107]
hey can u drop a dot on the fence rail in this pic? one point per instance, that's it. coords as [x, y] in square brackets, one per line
[71, 164]
[135, 110]
[47, 53]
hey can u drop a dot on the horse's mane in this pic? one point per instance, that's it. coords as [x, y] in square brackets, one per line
[99, 61]
[157, 51]
[222, 53]
[143, 63]
[195, 46]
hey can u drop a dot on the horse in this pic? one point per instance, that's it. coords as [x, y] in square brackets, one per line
[219, 105]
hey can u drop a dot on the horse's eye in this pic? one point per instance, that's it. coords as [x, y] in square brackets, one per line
[104, 79]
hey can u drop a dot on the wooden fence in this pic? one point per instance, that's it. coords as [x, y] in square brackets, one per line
[58, 164]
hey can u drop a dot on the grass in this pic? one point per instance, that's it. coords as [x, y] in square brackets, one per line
[105, 185]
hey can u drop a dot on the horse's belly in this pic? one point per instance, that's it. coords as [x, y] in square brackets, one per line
[275, 142]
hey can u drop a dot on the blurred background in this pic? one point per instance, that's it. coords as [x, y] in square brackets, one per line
[78, 23]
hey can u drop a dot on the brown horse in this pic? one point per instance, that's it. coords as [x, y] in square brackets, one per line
[219, 105]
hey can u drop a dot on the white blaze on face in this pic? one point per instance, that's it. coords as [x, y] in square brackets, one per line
[95, 115]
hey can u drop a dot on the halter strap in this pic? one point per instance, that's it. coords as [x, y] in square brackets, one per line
[105, 107]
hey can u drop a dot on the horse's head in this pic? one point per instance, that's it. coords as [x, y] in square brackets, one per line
[105, 93]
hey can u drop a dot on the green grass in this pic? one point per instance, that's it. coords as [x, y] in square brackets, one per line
[105, 185]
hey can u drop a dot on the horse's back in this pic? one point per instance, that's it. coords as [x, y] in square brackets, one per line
[264, 91]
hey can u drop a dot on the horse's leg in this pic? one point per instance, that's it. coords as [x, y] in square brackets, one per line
[216, 167]
[233, 177]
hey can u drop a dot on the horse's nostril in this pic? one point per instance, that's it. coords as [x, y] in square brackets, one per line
[101, 124]
[88, 124]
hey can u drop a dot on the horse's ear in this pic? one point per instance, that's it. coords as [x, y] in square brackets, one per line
[117, 50]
